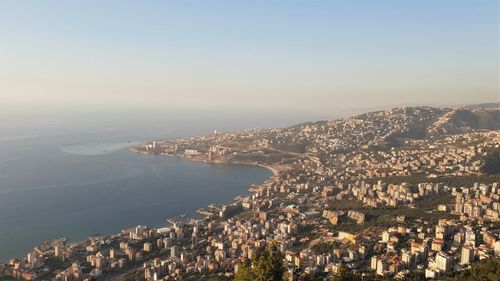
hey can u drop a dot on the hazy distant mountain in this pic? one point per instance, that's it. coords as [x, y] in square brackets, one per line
[391, 127]
[483, 106]
[378, 130]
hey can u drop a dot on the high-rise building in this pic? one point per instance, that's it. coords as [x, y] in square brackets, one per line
[374, 262]
[407, 258]
[174, 251]
[467, 255]
[385, 236]
[31, 258]
[470, 237]
[99, 261]
[58, 251]
[443, 262]
[381, 267]
[147, 247]
[131, 254]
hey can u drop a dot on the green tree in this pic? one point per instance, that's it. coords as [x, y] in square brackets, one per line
[487, 270]
[344, 274]
[245, 273]
[491, 162]
[297, 274]
[267, 265]
[416, 276]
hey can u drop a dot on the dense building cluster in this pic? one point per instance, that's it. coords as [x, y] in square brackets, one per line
[374, 193]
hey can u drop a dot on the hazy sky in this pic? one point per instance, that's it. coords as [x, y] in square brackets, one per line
[290, 55]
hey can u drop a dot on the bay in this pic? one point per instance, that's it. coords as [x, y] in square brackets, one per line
[76, 179]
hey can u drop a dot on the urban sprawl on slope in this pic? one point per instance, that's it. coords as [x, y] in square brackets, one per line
[385, 193]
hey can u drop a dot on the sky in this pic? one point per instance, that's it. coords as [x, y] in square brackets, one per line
[269, 55]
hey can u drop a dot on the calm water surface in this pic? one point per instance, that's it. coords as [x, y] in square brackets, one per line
[75, 183]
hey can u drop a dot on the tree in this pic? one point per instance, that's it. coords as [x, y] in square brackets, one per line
[244, 273]
[297, 274]
[267, 265]
[416, 276]
[344, 274]
[487, 270]
[491, 162]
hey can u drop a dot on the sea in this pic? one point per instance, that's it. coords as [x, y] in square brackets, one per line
[71, 175]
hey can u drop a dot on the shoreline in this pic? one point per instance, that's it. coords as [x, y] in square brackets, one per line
[274, 170]
[82, 242]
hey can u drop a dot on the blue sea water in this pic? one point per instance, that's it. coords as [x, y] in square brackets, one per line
[75, 177]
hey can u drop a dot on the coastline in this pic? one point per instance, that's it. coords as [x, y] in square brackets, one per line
[273, 169]
[82, 241]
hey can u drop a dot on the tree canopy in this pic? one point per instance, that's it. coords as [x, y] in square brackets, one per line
[491, 162]
[266, 265]
[488, 270]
